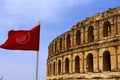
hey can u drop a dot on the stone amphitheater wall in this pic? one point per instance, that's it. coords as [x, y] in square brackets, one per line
[90, 50]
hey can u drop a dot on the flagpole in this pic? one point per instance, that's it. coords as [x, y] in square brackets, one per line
[37, 62]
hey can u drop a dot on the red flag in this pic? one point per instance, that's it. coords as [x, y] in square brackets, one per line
[23, 39]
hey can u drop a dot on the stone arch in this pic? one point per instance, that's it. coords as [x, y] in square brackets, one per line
[60, 43]
[90, 34]
[78, 37]
[59, 66]
[66, 65]
[106, 29]
[54, 68]
[106, 61]
[68, 41]
[89, 63]
[77, 64]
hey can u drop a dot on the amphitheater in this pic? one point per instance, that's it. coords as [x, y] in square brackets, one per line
[90, 50]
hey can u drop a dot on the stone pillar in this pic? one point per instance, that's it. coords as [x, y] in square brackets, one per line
[72, 38]
[82, 66]
[65, 42]
[47, 70]
[86, 37]
[53, 47]
[71, 71]
[116, 25]
[62, 65]
[97, 29]
[58, 46]
[116, 57]
[56, 67]
[97, 57]
[51, 68]
[83, 35]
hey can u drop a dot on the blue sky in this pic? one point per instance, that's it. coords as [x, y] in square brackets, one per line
[56, 16]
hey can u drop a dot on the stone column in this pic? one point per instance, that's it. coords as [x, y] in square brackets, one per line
[116, 25]
[62, 65]
[56, 67]
[71, 63]
[86, 37]
[97, 70]
[72, 38]
[47, 69]
[58, 46]
[51, 69]
[83, 35]
[83, 67]
[65, 42]
[116, 57]
[97, 29]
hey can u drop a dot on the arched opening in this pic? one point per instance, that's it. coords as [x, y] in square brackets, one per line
[90, 34]
[68, 41]
[54, 68]
[67, 65]
[106, 29]
[78, 36]
[90, 63]
[59, 66]
[106, 61]
[77, 64]
[60, 43]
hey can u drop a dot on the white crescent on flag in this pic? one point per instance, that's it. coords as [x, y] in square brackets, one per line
[23, 39]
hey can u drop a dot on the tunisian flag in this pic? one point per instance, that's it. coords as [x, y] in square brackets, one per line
[23, 39]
